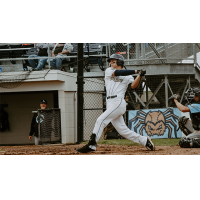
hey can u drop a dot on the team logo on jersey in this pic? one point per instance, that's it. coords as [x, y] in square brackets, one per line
[41, 118]
[116, 79]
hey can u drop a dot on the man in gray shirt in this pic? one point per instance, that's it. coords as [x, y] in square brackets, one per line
[60, 50]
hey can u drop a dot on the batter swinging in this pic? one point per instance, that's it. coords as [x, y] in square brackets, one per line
[116, 82]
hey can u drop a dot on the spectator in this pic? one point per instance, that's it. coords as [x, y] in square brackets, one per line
[60, 49]
[38, 64]
[34, 123]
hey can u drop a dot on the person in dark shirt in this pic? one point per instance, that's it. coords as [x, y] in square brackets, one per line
[193, 109]
[38, 64]
[192, 138]
[34, 123]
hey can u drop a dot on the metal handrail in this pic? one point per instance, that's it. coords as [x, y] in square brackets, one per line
[15, 49]
[146, 55]
[22, 58]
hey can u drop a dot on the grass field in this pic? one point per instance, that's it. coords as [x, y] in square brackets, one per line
[157, 142]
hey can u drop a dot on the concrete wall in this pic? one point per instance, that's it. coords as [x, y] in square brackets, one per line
[67, 104]
[24, 99]
[20, 107]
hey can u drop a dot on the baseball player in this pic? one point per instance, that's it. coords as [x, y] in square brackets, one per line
[192, 139]
[116, 82]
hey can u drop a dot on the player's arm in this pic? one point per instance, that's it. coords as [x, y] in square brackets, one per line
[135, 83]
[124, 72]
[181, 107]
[52, 53]
[64, 52]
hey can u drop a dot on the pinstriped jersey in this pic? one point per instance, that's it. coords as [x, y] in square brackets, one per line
[116, 85]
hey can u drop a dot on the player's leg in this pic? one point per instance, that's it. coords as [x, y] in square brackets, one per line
[32, 62]
[36, 140]
[41, 64]
[116, 109]
[59, 62]
[123, 130]
[53, 62]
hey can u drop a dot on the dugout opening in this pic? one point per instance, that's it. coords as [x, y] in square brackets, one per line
[19, 109]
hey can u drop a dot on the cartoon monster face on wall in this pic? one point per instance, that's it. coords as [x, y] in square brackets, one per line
[155, 122]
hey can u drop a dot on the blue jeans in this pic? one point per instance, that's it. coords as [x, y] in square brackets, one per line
[56, 62]
[41, 62]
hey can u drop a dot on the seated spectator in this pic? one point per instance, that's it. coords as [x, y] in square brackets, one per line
[38, 64]
[60, 49]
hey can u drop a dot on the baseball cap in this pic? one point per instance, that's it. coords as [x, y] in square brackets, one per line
[43, 101]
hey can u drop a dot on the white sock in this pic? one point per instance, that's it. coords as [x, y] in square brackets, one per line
[92, 147]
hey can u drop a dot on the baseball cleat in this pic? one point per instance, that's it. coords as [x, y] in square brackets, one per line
[150, 145]
[91, 146]
[85, 149]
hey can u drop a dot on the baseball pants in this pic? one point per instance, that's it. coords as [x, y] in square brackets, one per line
[36, 141]
[114, 114]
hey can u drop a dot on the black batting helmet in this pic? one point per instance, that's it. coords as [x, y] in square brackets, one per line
[118, 57]
[197, 91]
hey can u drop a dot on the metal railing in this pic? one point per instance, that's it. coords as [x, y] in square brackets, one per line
[48, 57]
[138, 53]
[156, 53]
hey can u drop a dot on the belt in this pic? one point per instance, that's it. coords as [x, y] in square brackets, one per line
[111, 97]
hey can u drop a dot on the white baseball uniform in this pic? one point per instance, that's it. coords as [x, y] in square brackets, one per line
[116, 107]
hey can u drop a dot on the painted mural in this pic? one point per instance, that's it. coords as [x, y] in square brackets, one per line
[156, 123]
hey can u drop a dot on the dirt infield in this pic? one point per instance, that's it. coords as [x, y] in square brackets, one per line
[102, 149]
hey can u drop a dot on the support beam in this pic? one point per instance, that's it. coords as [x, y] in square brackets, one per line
[128, 53]
[166, 52]
[169, 87]
[132, 101]
[156, 52]
[178, 92]
[194, 53]
[147, 93]
[80, 100]
[140, 100]
[155, 92]
[166, 91]
[189, 81]
[137, 47]
[184, 91]
[143, 52]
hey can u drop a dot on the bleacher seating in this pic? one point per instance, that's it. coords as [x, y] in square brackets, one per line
[28, 45]
[32, 51]
[4, 54]
[15, 51]
[91, 50]
[95, 49]
[88, 50]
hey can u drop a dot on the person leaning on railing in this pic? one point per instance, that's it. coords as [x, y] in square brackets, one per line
[34, 122]
[60, 49]
[38, 64]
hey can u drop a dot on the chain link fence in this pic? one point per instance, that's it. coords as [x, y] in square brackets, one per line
[156, 53]
[152, 94]
[94, 103]
[49, 125]
[134, 53]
